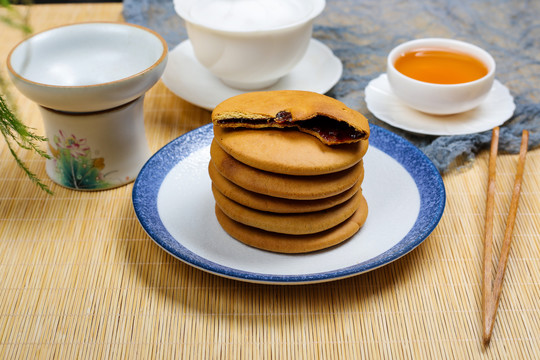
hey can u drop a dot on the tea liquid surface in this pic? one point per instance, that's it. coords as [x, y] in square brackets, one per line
[439, 66]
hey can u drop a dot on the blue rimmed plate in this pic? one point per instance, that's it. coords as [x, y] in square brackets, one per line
[174, 204]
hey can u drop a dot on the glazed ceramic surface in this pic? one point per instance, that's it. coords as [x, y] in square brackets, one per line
[88, 67]
[187, 78]
[242, 51]
[440, 99]
[497, 107]
[96, 151]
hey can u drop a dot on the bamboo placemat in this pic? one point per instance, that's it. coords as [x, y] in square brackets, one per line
[81, 279]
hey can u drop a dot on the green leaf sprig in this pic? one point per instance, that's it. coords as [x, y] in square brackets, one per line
[14, 131]
[15, 18]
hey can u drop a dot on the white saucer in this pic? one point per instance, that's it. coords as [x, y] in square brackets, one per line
[495, 110]
[318, 71]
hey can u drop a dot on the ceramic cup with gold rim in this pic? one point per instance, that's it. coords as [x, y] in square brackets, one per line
[89, 80]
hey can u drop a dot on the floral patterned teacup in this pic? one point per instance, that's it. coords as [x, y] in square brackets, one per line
[95, 151]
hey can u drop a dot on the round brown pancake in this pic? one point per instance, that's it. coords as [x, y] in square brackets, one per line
[288, 151]
[293, 224]
[283, 186]
[275, 204]
[326, 118]
[293, 243]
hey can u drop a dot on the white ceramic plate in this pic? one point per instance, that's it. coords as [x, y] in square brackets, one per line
[174, 204]
[494, 111]
[318, 71]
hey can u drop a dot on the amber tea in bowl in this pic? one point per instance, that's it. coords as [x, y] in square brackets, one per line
[440, 76]
[440, 66]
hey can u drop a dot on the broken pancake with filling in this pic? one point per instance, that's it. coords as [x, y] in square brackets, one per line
[320, 136]
[326, 118]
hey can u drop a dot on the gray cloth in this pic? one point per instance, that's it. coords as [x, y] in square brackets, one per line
[361, 33]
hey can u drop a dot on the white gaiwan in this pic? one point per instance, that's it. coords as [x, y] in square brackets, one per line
[89, 80]
[249, 44]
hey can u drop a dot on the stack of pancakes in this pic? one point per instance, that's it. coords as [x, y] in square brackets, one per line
[286, 170]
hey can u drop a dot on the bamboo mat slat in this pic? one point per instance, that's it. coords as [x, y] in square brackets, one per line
[81, 279]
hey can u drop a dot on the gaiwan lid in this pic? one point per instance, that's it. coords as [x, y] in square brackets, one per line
[248, 15]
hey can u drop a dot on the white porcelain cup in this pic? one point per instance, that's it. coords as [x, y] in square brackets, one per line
[97, 150]
[249, 44]
[440, 99]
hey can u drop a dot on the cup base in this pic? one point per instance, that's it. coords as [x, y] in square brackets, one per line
[251, 85]
[54, 178]
[96, 151]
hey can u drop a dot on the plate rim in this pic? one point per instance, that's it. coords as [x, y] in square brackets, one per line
[432, 202]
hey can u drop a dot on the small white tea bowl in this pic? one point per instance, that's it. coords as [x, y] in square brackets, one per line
[88, 66]
[440, 99]
[89, 80]
[249, 44]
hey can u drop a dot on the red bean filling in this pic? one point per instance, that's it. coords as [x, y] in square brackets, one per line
[331, 130]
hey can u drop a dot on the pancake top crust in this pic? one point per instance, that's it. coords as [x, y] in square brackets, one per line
[319, 115]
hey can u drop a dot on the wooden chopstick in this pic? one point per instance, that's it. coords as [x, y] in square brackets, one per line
[491, 293]
[488, 236]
